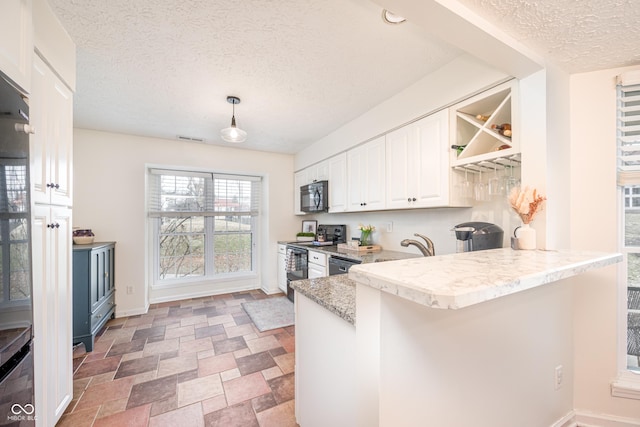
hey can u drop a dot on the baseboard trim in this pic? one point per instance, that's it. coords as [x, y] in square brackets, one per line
[590, 419]
[189, 295]
[271, 291]
[568, 420]
[133, 312]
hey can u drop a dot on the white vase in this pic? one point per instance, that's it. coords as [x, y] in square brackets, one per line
[526, 237]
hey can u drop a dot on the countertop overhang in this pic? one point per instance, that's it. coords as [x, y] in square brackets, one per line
[459, 280]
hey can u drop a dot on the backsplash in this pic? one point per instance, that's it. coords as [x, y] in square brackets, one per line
[434, 223]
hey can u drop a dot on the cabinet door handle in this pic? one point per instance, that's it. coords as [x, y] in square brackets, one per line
[106, 274]
[413, 200]
[52, 185]
[56, 225]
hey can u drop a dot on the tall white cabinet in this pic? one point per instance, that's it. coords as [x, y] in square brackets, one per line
[51, 163]
[51, 110]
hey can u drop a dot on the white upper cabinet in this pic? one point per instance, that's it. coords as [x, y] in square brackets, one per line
[51, 106]
[299, 179]
[337, 166]
[366, 176]
[333, 170]
[16, 41]
[417, 163]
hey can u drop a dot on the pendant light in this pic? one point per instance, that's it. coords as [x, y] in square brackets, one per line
[233, 133]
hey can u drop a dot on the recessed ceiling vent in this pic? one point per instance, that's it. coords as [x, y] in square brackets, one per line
[190, 138]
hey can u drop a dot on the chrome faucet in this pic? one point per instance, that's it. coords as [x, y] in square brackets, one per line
[426, 250]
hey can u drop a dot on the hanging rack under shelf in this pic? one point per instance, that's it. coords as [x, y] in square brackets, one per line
[510, 161]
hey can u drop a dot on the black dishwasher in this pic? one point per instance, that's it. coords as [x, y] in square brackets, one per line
[339, 265]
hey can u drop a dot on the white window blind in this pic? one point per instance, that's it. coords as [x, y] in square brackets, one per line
[174, 193]
[205, 225]
[628, 128]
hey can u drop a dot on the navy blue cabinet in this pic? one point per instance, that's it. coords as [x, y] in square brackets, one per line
[93, 290]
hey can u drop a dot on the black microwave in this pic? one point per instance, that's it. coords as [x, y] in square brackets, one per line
[314, 197]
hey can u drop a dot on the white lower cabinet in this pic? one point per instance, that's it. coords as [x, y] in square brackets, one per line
[325, 380]
[417, 158]
[52, 308]
[317, 265]
[282, 268]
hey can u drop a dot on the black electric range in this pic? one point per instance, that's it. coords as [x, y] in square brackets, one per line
[297, 253]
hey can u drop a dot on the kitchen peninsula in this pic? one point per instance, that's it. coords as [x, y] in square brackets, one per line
[478, 338]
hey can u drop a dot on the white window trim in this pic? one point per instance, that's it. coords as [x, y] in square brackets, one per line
[627, 382]
[252, 275]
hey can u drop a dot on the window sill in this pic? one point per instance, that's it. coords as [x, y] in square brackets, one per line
[174, 284]
[626, 385]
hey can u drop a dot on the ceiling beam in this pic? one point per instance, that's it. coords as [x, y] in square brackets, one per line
[457, 25]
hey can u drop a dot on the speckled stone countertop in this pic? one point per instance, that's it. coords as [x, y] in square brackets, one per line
[460, 280]
[363, 257]
[335, 293]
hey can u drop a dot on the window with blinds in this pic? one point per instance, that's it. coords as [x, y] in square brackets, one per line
[628, 139]
[205, 224]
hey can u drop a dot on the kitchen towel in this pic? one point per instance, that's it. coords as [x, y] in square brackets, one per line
[290, 261]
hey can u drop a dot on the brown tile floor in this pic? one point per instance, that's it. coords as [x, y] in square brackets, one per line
[198, 362]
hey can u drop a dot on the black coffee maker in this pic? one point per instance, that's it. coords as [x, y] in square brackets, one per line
[478, 236]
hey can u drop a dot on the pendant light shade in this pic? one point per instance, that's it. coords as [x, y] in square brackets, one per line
[233, 133]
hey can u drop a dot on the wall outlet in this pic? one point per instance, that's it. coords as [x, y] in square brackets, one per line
[558, 377]
[390, 227]
[129, 290]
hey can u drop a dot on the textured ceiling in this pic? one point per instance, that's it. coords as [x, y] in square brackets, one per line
[164, 67]
[577, 35]
[302, 68]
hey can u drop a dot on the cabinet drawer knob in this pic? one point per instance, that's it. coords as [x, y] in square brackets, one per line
[106, 274]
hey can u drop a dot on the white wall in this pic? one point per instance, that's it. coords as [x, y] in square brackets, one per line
[594, 226]
[109, 197]
[454, 81]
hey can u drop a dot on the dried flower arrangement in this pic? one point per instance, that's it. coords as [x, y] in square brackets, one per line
[526, 203]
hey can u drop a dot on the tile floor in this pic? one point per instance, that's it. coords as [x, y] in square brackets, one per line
[198, 362]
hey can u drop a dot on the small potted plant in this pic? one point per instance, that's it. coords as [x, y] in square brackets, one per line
[365, 234]
[304, 236]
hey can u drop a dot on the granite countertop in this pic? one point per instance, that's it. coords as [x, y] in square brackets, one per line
[459, 280]
[365, 257]
[335, 293]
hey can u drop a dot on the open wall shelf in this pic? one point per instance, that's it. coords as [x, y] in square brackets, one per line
[474, 120]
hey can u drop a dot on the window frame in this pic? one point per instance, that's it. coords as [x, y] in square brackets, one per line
[153, 225]
[627, 382]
